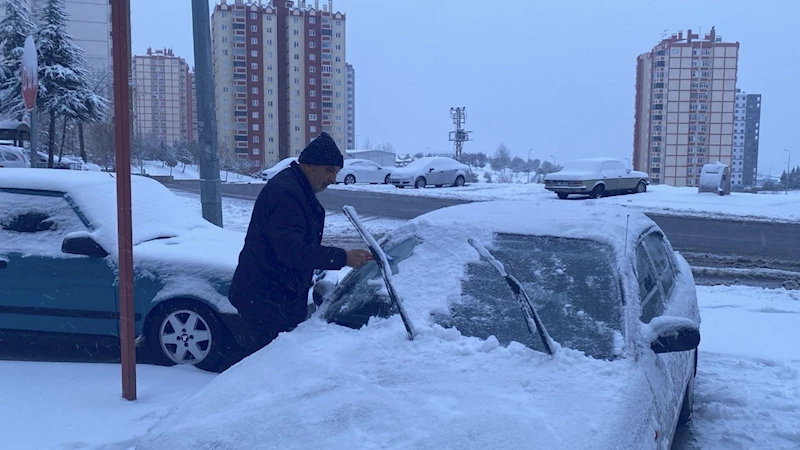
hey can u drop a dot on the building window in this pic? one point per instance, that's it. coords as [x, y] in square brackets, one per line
[312, 117]
[254, 78]
[253, 15]
[312, 20]
[312, 129]
[296, 32]
[312, 93]
[312, 105]
[254, 90]
[312, 81]
[254, 53]
[255, 139]
[254, 41]
[255, 152]
[255, 102]
[296, 45]
[225, 52]
[224, 27]
[313, 69]
[312, 44]
[255, 115]
[255, 127]
[296, 56]
[297, 117]
[296, 92]
[311, 32]
[254, 66]
[269, 91]
[224, 39]
[253, 28]
[269, 55]
[312, 57]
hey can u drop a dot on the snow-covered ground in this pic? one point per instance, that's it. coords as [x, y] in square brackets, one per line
[190, 172]
[661, 199]
[747, 388]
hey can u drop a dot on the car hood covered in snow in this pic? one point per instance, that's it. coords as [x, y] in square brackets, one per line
[330, 387]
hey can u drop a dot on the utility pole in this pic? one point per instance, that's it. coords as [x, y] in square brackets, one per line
[788, 170]
[210, 195]
[459, 136]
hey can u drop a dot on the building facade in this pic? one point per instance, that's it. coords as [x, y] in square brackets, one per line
[685, 107]
[351, 107]
[89, 24]
[164, 104]
[745, 139]
[280, 77]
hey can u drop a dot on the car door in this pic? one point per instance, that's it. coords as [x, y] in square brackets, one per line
[611, 177]
[676, 365]
[437, 174]
[43, 289]
[374, 173]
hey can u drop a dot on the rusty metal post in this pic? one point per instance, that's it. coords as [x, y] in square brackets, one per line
[121, 42]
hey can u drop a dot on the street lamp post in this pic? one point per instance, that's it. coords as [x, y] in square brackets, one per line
[528, 163]
[788, 170]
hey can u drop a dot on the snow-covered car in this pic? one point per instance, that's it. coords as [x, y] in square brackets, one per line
[268, 173]
[617, 308]
[11, 156]
[596, 177]
[430, 170]
[363, 171]
[59, 273]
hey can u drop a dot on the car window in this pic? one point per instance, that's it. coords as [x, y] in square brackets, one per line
[616, 165]
[35, 224]
[650, 294]
[571, 283]
[360, 295]
[662, 260]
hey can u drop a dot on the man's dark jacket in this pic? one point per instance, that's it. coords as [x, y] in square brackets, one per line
[281, 250]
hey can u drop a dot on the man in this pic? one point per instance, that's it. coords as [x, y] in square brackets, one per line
[283, 246]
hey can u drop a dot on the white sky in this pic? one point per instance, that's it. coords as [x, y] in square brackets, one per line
[553, 76]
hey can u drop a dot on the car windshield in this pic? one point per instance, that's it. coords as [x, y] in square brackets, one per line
[571, 282]
[418, 164]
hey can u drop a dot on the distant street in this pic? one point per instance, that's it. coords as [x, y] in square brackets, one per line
[751, 240]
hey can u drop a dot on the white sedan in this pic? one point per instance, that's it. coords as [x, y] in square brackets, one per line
[526, 333]
[431, 170]
[267, 174]
[363, 171]
[13, 157]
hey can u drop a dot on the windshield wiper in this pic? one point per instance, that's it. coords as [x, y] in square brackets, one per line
[383, 264]
[531, 316]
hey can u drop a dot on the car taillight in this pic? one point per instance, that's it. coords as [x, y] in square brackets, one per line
[575, 183]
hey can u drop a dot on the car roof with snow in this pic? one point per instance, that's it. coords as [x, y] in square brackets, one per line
[609, 224]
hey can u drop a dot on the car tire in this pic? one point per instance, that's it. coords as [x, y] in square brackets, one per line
[641, 187]
[386, 180]
[459, 181]
[212, 354]
[350, 179]
[562, 195]
[687, 408]
[598, 191]
[420, 183]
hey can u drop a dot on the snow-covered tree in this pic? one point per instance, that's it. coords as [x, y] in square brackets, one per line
[66, 89]
[14, 28]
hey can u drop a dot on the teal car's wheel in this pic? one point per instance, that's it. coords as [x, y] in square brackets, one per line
[188, 332]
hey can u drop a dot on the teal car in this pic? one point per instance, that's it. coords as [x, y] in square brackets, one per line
[59, 266]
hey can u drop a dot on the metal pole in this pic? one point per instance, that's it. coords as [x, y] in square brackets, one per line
[528, 163]
[210, 195]
[121, 43]
[34, 140]
[788, 170]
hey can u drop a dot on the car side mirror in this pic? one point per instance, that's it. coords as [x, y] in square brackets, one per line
[669, 334]
[629, 170]
[430, 170]
[322, 290]
[82, 243]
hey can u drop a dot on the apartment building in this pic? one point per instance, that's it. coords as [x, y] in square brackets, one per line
[685, 107]
[280, 77]
[89, 24]
[747, 116]
[164, 102]
[351, 107]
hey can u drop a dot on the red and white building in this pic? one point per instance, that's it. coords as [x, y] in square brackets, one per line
[685, 103]
[279, 77]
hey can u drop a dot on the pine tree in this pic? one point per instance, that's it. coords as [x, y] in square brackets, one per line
[14, 28]
[66, 91]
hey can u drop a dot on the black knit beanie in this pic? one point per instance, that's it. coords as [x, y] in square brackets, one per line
[322, 151]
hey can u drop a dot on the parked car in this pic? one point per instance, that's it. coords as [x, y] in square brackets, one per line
[430, 170]
[618, 303]
[596, 177]
[363, 171]
[267, 174]
[58, 266]
[11, 156]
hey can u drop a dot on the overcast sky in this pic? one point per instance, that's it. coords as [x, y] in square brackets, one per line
[553, 76]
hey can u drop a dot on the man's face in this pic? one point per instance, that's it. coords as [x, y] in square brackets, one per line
[321, 176]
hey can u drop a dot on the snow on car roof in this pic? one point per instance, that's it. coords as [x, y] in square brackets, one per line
[609, 224]
[157, 213]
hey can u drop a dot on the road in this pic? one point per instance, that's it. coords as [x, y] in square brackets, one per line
[757, 241]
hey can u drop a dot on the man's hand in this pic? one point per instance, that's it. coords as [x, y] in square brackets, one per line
[357, 258]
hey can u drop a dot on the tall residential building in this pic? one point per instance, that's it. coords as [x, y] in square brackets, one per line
[89, 24]
[163, 98]
[685, 103]
[279, 77]
[351, 107]
[745, 138]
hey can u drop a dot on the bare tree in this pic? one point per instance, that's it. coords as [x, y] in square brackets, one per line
[366, 144]
[386, 147]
